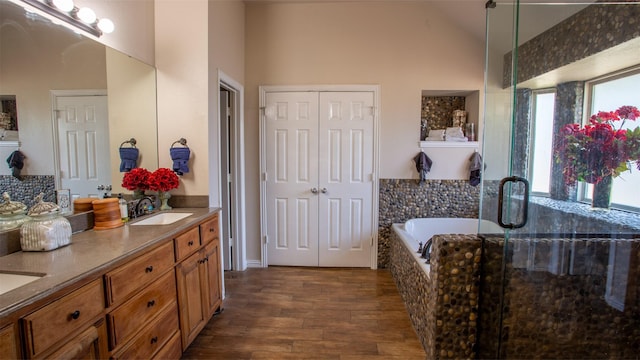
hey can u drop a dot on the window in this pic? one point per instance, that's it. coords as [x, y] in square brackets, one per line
[541, 140]
[608, 94]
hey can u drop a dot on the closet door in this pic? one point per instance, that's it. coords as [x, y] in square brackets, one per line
[319, 178]
[345, 178]
[291, 138]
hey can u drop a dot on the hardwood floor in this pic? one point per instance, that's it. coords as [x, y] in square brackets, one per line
[309, 313]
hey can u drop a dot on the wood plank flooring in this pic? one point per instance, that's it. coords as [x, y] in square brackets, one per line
[309, 313]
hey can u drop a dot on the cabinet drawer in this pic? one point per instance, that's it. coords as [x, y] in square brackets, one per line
[172, 350]
[126, 320]
[61, 318]
[187, 243]
[125, 280]
[149, 340]
[210, 229]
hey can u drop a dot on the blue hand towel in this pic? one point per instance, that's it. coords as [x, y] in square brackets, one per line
[180, 157]
[128, 159]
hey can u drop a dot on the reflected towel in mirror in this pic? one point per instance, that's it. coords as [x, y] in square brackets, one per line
[16, 163]
[128, 159]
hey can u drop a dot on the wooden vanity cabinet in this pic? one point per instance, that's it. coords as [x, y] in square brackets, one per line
[199, 282]
[150, 307]
[73, 325]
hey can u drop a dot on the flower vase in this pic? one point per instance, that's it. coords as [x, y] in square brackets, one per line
[601, 196]
[164, 198]
[138, 194]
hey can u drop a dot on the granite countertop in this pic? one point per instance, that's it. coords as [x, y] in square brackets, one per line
[89, 254]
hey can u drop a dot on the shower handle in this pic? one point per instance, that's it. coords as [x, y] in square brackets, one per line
[525, 202]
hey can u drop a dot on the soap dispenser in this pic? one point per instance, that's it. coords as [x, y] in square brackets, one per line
[124, 210]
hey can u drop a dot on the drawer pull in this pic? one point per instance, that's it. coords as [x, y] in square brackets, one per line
[154, 339]
[212, 229]
[190, 243]
[148, 269]
[75, 315]
[151, 303]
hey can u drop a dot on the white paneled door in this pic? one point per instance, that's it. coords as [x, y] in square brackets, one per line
[319, 178]
[83, 140]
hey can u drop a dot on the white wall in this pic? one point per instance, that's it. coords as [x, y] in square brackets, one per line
[405, 47]
[194, 39]
[183, 87]
[226, 54]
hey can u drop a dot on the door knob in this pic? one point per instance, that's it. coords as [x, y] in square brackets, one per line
[324, 190]
[314, 190]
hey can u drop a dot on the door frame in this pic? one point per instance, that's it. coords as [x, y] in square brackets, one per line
[54, 95]
[263, 90]
[237, 194]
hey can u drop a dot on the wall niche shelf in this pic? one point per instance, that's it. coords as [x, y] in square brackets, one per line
[448, 144]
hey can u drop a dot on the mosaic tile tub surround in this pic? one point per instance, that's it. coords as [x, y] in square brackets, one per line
[563, 298]
[404, 199]
[443, 305]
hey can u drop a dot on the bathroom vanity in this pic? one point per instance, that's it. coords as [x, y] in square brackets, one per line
[138, 291]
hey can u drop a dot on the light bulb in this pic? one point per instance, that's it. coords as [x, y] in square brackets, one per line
[106, 26]
[64, 5]
[87, 15]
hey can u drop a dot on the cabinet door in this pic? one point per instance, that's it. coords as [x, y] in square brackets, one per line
[90, 344]
[192, 317]
[212, 284]
[8, 346]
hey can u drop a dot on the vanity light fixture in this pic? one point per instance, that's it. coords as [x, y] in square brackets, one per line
[83, 19]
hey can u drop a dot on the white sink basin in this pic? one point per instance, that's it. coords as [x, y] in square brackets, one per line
[163, 218]
[10, 281]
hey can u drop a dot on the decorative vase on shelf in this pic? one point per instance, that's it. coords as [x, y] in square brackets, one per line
[164, 198]
[138, 194]
[601, 196]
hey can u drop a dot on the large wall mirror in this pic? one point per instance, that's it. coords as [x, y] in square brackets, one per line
[51, 71]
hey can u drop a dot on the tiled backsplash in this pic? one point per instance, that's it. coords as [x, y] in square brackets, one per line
[28, 187]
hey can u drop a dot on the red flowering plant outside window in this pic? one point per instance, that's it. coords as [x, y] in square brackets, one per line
[136, 179]
[600, 148]
[163, 180]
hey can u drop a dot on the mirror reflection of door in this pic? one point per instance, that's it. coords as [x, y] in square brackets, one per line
[83, 143]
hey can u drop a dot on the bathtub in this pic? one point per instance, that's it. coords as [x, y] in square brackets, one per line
[419, 230]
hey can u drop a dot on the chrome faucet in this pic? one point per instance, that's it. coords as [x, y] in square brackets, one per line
[141, 207]
[426, 251]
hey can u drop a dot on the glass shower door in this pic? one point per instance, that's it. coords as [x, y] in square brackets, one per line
[561, 279]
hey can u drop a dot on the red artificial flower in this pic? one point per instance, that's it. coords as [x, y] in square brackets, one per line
[163, 179]
[599, 149]
[136, 179]
[628, 112]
